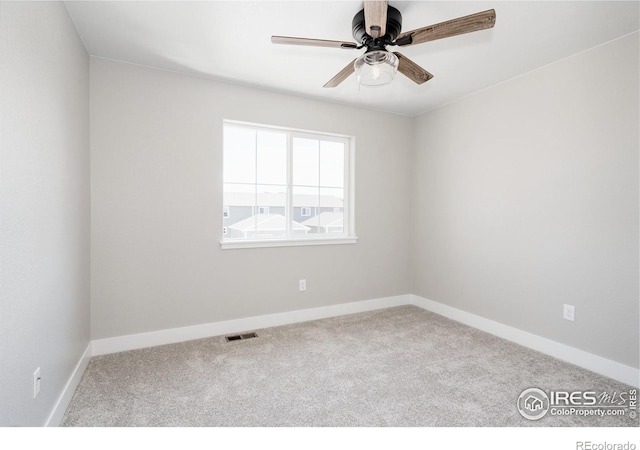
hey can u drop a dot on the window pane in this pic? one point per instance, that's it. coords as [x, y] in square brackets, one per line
[238, 195]
[272, 199]
[239, 200]
[306, 161]
[305, 198]
[331, 164]
[272, 157]
[239, 155]
[270, 221]
[331, 217]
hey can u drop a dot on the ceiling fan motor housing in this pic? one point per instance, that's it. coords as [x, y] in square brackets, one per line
[394, 26]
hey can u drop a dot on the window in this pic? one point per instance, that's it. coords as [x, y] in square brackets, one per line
[225, 212]
[285, 187]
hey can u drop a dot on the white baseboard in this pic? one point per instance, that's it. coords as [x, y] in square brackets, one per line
[170, 336]
[589, 361]
[65, 397]
[581, 358]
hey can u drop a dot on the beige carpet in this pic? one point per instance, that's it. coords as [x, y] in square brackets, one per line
[400, 366]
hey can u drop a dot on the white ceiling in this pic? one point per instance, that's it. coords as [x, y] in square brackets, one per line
[230, 41]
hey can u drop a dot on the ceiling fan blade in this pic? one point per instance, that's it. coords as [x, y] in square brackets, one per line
[411, 70]
[461, 25]
[312, 42]
[341, 76]
[375, 18]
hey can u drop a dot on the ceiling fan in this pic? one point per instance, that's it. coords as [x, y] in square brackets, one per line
[379, 25]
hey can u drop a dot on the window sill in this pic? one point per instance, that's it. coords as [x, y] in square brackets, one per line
[228, 245]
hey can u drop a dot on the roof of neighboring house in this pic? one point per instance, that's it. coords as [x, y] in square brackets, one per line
[325, 219]
[265, 222]
[248, 199]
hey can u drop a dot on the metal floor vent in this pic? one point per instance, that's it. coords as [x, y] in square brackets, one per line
[238, 337]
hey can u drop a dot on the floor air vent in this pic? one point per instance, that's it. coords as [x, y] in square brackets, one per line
[238, 337]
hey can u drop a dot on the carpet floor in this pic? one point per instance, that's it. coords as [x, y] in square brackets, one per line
[401, 366]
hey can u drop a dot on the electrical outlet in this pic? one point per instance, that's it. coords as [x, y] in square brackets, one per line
[569, 312]
[36, 382]
[302, 285]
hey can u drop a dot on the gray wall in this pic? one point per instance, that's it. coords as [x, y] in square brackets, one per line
[44, 232]
[526, 197]
[156, 179]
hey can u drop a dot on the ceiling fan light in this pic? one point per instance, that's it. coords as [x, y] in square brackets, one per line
[376, 68]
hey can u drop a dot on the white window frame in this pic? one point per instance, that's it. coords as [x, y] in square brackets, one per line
[263, 210]
[308, 208]
[226, 212]
[348, 236]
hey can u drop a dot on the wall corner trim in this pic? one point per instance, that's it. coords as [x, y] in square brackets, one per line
[55, 418]
[572, 355]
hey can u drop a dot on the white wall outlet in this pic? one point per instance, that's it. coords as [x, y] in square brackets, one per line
[569, 312]
[36, 382]
[302, 285]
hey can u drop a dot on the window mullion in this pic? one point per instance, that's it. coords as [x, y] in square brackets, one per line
[346, 189]
[288, 211]
[256, 207]
[319, 184]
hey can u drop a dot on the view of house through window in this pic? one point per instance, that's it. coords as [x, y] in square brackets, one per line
[284, 184]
